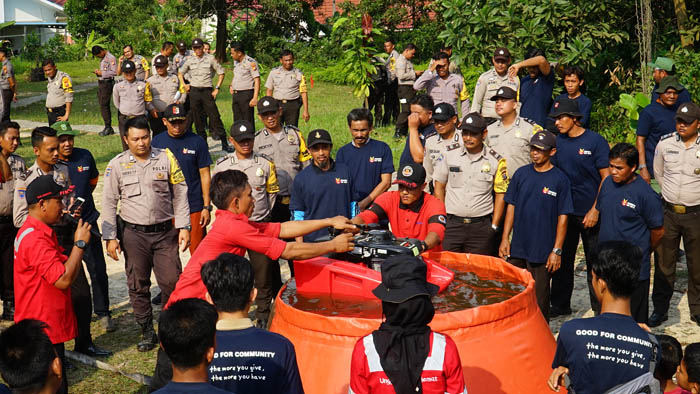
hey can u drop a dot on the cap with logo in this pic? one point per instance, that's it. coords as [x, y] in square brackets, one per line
[63, 128]
[319, 136]
[501, 54]
[566, 106]
[182, 45]
[662, 63]
[669, 82]
[242, 130]
[473, 123]
[197, 42]
[688, 112]
[443, 111]
[404, 277]
[128, 66]
[505, 92]
[44, 187]
[544, 140]
[175, 112]
[160, 61]
[411, 175]
[268, 104]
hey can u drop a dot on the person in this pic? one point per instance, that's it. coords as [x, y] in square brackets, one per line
[391, 101]
[105, 84]
[29, 362]
[262, 177]
[83, 173]
[166, 89]
[490, 82]
[536, 87]
[472, 186]
[631, 210]
[676, 167]
[202, 97]
[539, 196]
[688, 374]
[411, 212]
[511, 135]
[446, 142]
[143, 69]
[181, 56]
[574, 79]
[43, 272]
[131, 98]
[245, 85]
[442, 85]
[194, 159]
[8, 84]
[369, 160]
[664, 67]
[671, 356]
[229, 283]
[588, 349]
[151, 188]
[420, 127]
[166, 50]
[284, 146]
[9, 141]
[288, 86]
[207, 48]
[406, 76]
[377, 89]
[59, 93]
[187, 332]
[655, 121]
[453, 67]
[582, 155]
[323, 189]
[404, 355]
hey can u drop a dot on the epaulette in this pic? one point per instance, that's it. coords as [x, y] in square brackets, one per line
[122, 154]
[663, 137]
[528, 120]
[291, 127]
[223, 159]
[259, 157]
[265, 156]
[495, 154]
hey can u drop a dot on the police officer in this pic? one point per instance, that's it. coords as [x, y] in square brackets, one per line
[131, 98]
[510, 136]
[8, 84]
[166, 50]
[245, 85]
[286, 150]
[442, 85]
[288, 86]
[445, 142]
[105, 84]
[151, 190]
[181, 56]
[677, 169]
[166, 89]
[9, 141]
[489, 82]
[142, 67]
[391, 102]
[472, 186]
[262, 178]
[406, 76]
[200, 66]
[59, 96]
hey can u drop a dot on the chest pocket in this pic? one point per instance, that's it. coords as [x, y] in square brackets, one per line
[455, 177]
[132, 187]
[160, 182]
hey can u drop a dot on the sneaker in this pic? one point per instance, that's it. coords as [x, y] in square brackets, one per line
[108, 324]
[108, 130]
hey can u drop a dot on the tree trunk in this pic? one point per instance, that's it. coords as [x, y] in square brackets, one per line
[221, 33]
[682, 19]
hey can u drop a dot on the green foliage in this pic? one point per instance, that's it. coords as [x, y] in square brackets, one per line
[359, 60]
[85, 16]
[632, 106]
[32, 50]
[688, 70]
[84, 45]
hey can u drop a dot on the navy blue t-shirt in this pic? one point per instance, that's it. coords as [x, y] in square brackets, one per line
[192, 153]
[253, 360]
[627, 213]
[584, 105]
[318, 194]
[581, 159]
[4, 389]
[366, 164]
[655, 121]
[81, 169]
[539, 198]
[536, 97]
[683, 95]
[423, 133]
[602, 352]
[189, 388]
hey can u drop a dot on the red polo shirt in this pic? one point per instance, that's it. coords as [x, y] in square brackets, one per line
[38, 265]
[412, 221]
[230, 233]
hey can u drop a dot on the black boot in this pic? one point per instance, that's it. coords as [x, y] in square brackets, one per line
[225, 146]
[149, 339]
[8, 310]
[108, 130]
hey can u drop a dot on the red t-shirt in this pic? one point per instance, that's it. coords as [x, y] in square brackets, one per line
[230, 233]
[38, 265]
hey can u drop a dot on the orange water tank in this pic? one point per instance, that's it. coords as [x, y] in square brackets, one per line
[505, 347]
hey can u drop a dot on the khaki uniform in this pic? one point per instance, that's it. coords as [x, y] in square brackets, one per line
[179, 61]
[108, 66]
[105, 85]
[59, 90]
[8, 231]
[141, 67]
[285, 84]
[130, 99]
[6, 73]
[7, 189]
[172, 67]
[20, 209]
[448, 90]
[437, 148]
[243, 86]
[391, 65]
[404, 71]
[164, 90]
[486, 87]
[262, 178]
[200, 70]
[513, 142]
[288, 153]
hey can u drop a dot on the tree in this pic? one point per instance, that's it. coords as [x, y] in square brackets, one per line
[85, 16]
[221, 9]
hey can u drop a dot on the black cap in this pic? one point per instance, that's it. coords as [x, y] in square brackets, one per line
[242, 130]
[566, 106]
[160, 61]
[443, 111]
[501, 54]
[268, 104]
[404, 277]
[181, 45]
[688, 112]
[544, 140]
[319, 136]
[473, 123]
[45, 187]
[411, 175]
[197, 42]
[504, 92]
[175, 112]
[128, 66]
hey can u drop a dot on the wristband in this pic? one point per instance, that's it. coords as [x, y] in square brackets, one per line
[642, 166]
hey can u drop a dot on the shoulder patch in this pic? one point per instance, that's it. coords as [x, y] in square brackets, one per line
[221, 159]
[663, 137]
[495, 154]
[528, 120]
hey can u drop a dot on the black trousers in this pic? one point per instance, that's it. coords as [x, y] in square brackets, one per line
[201, 101]
[477, 238]
[104, 97]
[290, 111]
[52, 114]
[542, 277]
[406, 94]
[268, 281]
[375, 100]
[241, 106]
[639, 303]
[280, 213]
[8, 232]
[163, 373]
[391, 103]
[156, 124]
[61, 352]
[6, 103]
[97, 269]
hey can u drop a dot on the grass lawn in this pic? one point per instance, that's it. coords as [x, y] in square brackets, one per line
[79, 71]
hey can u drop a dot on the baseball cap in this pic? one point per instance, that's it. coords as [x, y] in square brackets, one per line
[128, 66]
[319, 136]
[505, 92]
[242, 130]
[669, 82]
[688, 112]
[45, 187]
[544, 140]
[268, 104]
[566, 106]
[182, 45]
[662, 63]
[404, 277]
[197, 42]
[63, 128]
[175, 112]
[443, 111]
[160, 61]
[473, 122]
[411, 175]
[501, 54]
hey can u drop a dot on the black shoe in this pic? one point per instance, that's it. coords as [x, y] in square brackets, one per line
[8, 310]
[156, 299]
[696, 319]
[657, 318]
[94, 351]
[556, 312]
[108, 130]
[149, 339]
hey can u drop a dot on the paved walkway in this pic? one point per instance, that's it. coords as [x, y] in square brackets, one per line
[23, 102]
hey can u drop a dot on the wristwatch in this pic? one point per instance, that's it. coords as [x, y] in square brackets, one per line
[80, 244]
[495, 228]
[208, 207]
[188, 228]
[642, 166]
[556, 251]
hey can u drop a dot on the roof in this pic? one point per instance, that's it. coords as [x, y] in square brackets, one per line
[57, 2]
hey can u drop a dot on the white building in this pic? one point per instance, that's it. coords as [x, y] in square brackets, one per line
[45, 17]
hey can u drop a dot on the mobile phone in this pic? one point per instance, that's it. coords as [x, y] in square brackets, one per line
[77, 203]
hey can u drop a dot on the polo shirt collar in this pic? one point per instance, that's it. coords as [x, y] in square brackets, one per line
[416, 206]
[366, 143]
[320, 170]
[38, 225]
[233, 324]
[480, 155]
[455, 136]
[228, 215]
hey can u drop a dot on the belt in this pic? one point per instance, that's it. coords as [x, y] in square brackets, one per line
[201, 88]
[242, 91]
[289, 101]
[6, 219]
[130, 116]
[153, 228]
[105, 80]
[466, 220]
[55, 108]
[681, 209]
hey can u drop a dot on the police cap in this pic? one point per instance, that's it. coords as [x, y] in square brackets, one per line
[505, 92]
[501, 54]
[544, 140]
[128, 66]
[688, 112]
[443, 112]
[242, 130]
[160, 61]
[197, 42]
[473, 123]
[268, 104]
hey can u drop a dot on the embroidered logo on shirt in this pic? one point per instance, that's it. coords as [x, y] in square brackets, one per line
[340, 181]
[186, 151]
[549, 192]
[584, 152]
[83, 168]
[108, 171]
[373, 159]
[628, 204]
[441, 219]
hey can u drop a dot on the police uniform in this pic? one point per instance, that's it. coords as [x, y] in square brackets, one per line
[105, 84]
[6, 74]
[142, 66]
[164, 91]
[130, 99]
[448, 90]
[8, 232]
[287, 87]
[406, 76]
[172, 67]
[242, 85]
[179, 61]
[391, 103]
[486, 87]
[59, 92]
[512, 142]
[437, 147]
